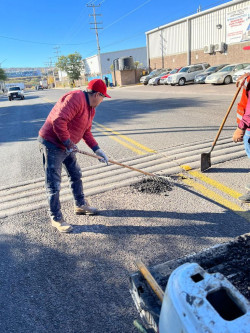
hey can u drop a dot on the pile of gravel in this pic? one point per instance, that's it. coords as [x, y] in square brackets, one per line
[237, 264]
[153, 185]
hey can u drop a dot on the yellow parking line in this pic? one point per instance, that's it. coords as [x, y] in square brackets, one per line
[137, 144]
[211, 182]
[217, 198]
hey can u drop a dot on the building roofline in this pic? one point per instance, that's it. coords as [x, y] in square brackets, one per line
[227, 4]
[135, 48]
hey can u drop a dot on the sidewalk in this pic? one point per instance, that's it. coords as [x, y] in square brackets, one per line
[79, 282]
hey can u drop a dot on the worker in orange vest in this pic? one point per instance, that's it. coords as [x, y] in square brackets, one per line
[242, 133]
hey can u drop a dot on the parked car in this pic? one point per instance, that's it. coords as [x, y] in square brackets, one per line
[224, 75]
[163, 79]
[200, 78]
[15, 92]
[144, 79]
[241, 72]
[187, 74]
[156, 79]
[39, 87]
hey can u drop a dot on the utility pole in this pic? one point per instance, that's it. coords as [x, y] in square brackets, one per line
[51, 65]
[57, 51]
[97, 38]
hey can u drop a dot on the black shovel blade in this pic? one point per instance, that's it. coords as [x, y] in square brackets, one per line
[205, 161]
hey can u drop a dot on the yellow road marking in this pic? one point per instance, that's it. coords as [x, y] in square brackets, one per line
[49, 101]
[123, 143]
[217, 198]
[137, 144]
[211, 182]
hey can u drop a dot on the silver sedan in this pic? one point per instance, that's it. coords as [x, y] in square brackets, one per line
[224, 75]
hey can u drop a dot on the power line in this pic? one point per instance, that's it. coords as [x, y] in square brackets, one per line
[122, 17]
[87, 42]
[42, 43]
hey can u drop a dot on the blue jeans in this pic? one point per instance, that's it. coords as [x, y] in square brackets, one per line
[246, 140]
[53, 160]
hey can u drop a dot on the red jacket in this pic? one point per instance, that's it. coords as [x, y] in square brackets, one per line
[71, 118]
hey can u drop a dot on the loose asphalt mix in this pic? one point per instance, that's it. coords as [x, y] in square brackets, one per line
[79, 282]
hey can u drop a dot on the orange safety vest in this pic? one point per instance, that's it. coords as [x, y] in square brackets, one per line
[243, 101]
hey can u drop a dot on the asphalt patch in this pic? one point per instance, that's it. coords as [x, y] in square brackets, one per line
[153, 185]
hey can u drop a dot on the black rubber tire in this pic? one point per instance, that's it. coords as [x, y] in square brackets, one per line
[182, 81]
[10, 99]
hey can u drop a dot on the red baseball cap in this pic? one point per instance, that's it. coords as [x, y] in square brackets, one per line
[246, 48]
[99, 86]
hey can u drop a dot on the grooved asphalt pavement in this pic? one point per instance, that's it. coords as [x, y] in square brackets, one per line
[79, 282]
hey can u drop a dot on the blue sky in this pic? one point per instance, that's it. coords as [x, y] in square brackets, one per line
[30, 30]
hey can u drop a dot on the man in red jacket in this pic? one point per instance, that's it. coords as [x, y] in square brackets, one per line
[68, 122]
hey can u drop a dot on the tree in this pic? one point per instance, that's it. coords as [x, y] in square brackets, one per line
[72, 65]
[137, 64]
[3, 76]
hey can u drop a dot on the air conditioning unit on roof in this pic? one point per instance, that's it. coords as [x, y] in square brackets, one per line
[209, 48]
[220, 47]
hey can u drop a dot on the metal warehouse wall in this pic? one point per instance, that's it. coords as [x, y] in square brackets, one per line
[204, 30]
[168, 40]
[172, 39]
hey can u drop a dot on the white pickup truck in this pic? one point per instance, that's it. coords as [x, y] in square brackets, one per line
[206, 292]
[15, 92]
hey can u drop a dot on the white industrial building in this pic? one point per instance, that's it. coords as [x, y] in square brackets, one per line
[92, 65]
[216, 36]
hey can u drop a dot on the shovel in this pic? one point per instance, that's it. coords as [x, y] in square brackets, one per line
[120, 164]
[206, 157]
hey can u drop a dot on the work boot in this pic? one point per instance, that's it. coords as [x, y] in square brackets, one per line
[85, 209]
[245, 197]
[61, 226]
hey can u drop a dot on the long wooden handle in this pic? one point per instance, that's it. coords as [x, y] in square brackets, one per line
[117, 163]
[149, 278]
[225, 118]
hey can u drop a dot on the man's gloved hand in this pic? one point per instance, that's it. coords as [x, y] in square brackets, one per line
[70, 146]
[101, 153]
[238, 135]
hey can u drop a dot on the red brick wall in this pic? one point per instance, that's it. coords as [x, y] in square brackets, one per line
[234, 54]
